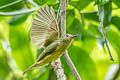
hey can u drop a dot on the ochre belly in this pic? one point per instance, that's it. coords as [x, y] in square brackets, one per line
[53, 56]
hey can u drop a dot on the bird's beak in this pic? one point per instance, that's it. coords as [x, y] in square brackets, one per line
[73, 36]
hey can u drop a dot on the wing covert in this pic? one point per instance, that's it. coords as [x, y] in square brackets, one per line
[48, 50]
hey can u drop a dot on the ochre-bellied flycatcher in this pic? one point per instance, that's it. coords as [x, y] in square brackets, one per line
[45, 34]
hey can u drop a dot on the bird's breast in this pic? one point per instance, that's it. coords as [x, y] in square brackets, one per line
[60, 50]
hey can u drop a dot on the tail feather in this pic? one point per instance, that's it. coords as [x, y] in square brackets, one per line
[33, 65]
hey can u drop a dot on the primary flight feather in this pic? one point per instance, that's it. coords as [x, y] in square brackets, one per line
[44, 27]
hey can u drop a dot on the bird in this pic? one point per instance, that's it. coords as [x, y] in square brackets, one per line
[45, 34]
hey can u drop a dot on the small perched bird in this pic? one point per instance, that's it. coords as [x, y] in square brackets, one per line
[45, 34]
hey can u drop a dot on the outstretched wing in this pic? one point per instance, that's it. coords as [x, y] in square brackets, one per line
[44, 27]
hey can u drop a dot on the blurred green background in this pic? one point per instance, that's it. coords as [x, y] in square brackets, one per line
[88, 52]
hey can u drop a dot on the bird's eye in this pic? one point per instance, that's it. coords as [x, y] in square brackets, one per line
[66, 35]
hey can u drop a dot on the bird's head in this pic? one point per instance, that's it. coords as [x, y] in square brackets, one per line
[69, 38]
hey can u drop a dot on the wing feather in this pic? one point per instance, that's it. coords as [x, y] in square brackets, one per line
[48, 50]
[44, 27]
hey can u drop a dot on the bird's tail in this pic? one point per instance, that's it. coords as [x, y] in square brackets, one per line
[33, 65]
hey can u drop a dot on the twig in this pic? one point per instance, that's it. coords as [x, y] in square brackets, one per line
[106, 42]
[101, 13]
[61, 15]
[10, 4]
[62, 27]
[62, 24]
[58, 70]
[117, 74]
[71, 65]
[18, 12]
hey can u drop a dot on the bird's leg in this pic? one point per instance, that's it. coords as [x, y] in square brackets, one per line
[54, 64]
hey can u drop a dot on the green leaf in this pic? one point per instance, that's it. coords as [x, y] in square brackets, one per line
[101, 2]
[89, 37]
[70, 17]
[4, 68]
[39, 51]
[105, 13]
[44, 76]
[17, 6]
[91, 16]
[76, 28]
[21, 51]
[44, 2]
[51, 2]
[41, 2]
[91, 33]
[117, 2]
[115, 21]
[82, 61]
[80, 4]
[114, 39]
[95, 17]
[15, 20]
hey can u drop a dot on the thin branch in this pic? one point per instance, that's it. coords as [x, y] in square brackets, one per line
[62, 16]
[18, 12]
[58, 70]
[21, 11]
[57, 67]
[101, 12]
[71, 65]
[106, 42]
[62, 27]
[116, 74]
[10, 4]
